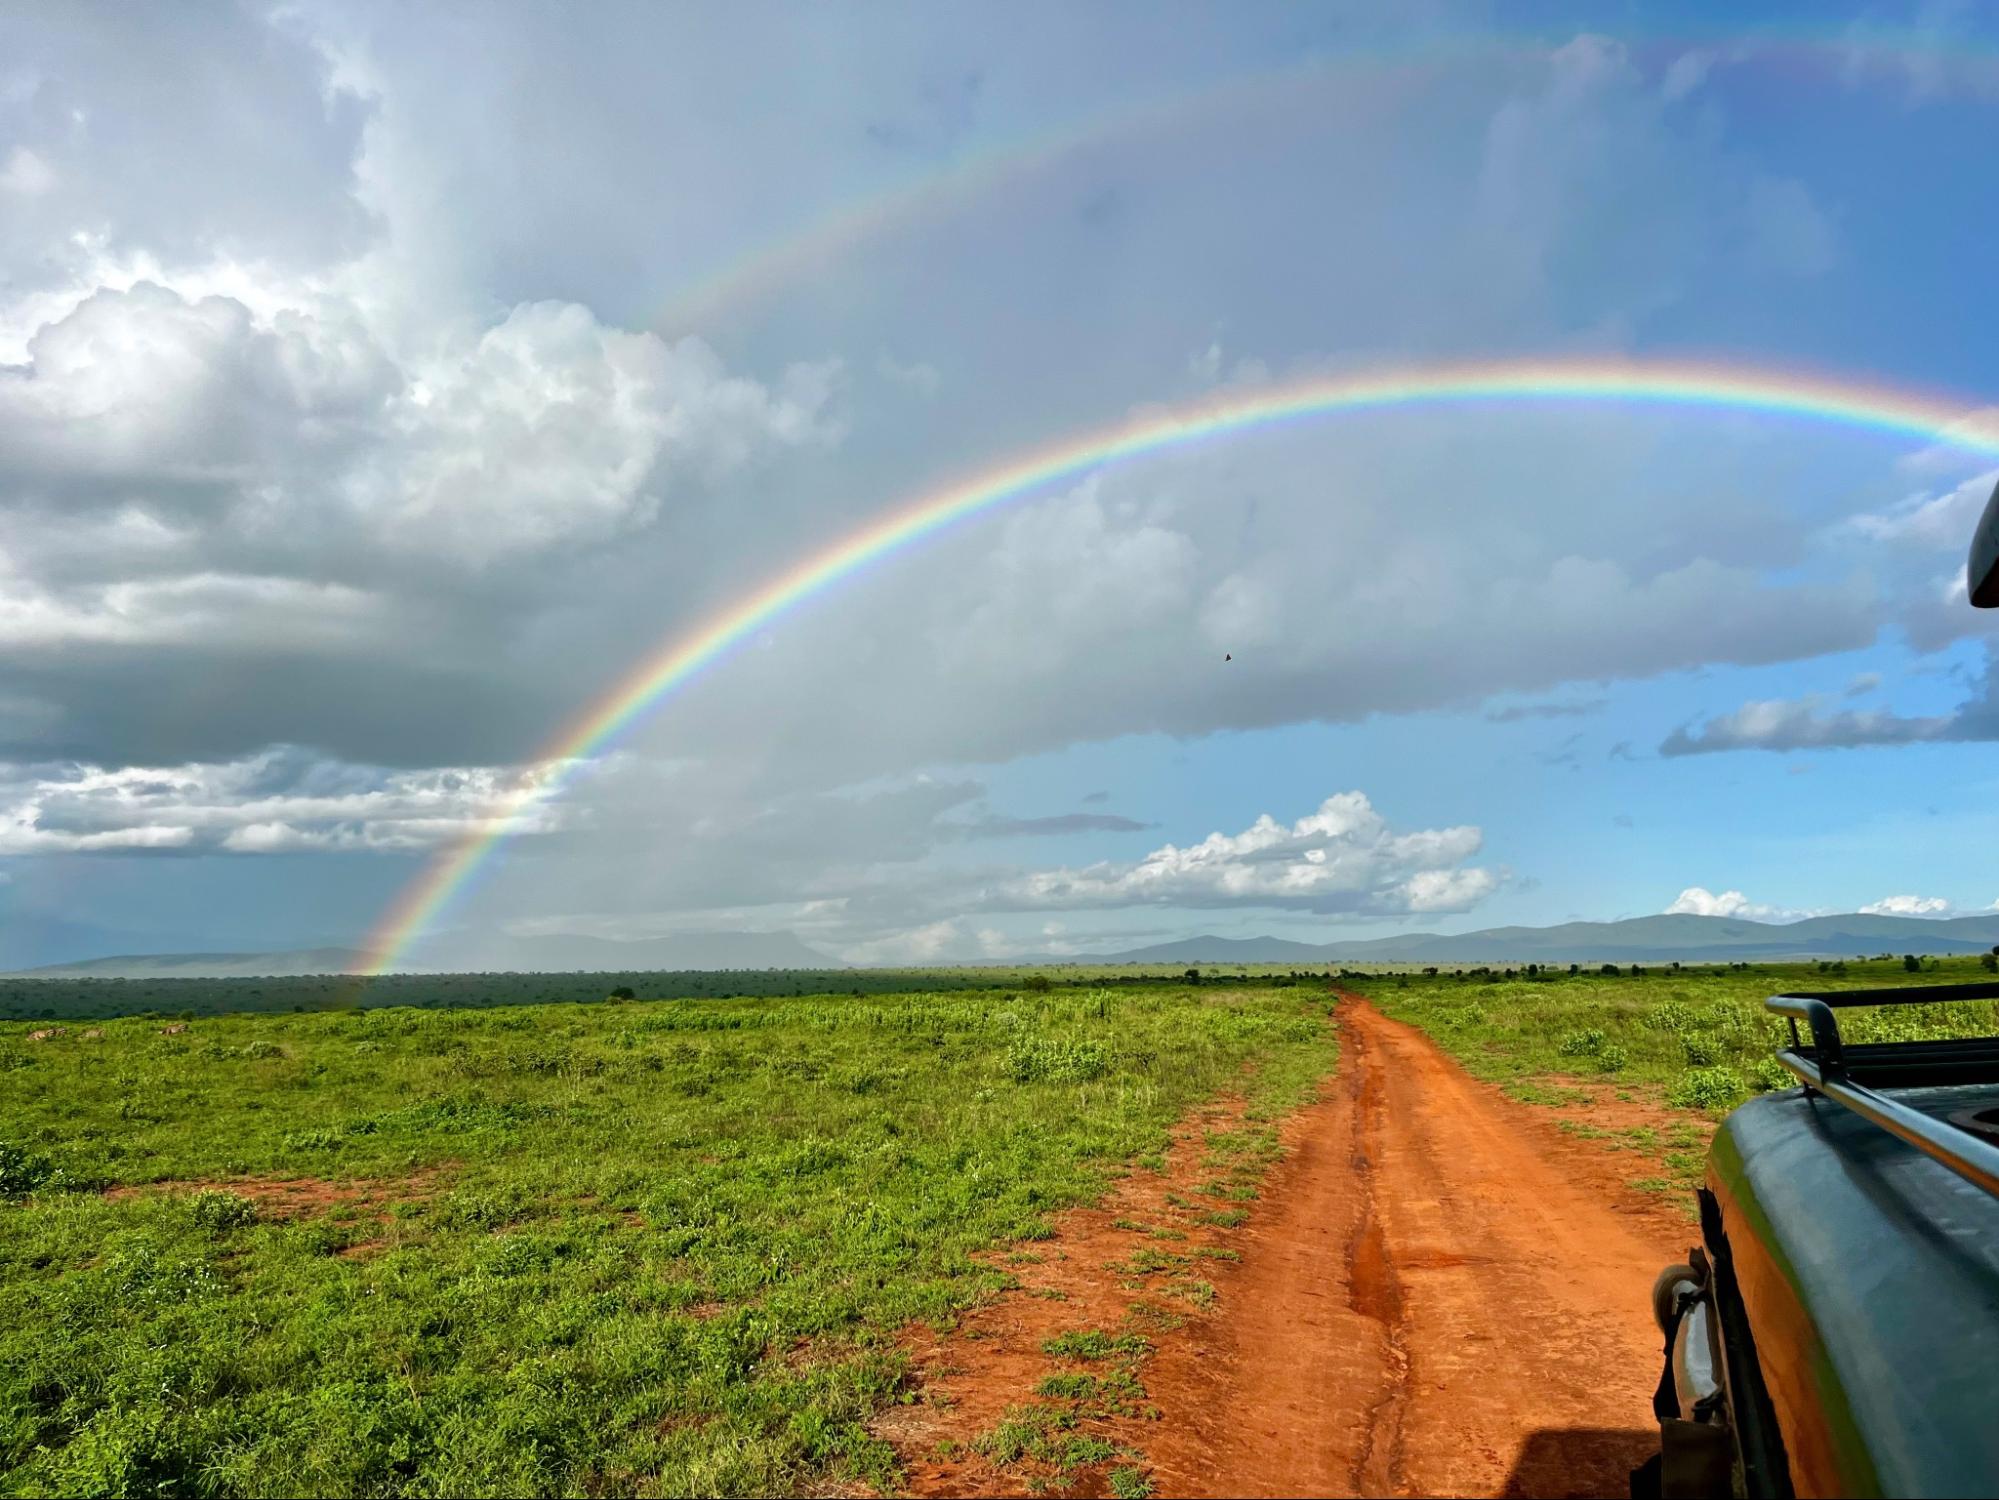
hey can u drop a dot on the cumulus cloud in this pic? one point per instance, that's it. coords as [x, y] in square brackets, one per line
[546, 428]
[553, 428]
[182, 399]
[1341, 859]
[1907, 906]
[1698, 901]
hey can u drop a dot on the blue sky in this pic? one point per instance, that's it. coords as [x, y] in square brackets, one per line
[347, 456]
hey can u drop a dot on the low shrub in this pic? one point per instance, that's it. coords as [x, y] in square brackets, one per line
[1769, 1075]
[1702, 1051]
[1048, 1060]
[1705, 1088]
[217, 1211]
[21, 1171]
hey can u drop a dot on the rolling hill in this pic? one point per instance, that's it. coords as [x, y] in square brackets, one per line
[1660, 939]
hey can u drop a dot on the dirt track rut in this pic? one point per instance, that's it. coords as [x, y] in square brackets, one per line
[1439, 1293]
[1493, 1273]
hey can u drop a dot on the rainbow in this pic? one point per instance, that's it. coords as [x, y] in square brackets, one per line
[802, 251]
[1932, 419]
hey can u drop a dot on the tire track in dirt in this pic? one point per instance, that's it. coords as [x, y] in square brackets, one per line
[1439, 1293]
[1373, 1288]
[1524, 1263]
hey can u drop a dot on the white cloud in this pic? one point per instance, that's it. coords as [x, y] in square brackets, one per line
[1069, 568]
[1685, 74]
[279, 800]
[1797, 724]
[931, 943]
[1940, 521]
[546, 428]
[1698, 901]
[147, 387]
[1343, 858]
[1907, 906]
[26, 174]
[552, 428]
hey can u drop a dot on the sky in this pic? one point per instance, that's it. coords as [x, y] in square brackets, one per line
[380, 385]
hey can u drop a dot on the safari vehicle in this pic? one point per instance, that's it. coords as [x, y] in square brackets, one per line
[1837, 1330]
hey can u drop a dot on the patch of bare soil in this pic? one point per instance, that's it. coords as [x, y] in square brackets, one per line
[302, 1197]
[1440, 1291]
[1140, 1271]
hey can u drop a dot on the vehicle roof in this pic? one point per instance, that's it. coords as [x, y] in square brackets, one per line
[1893, 1261]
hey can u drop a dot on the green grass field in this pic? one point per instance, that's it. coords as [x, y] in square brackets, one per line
[1701, 1034]
[25, 997]
[607, 1249]
[1695, 1041]
[662, 1247]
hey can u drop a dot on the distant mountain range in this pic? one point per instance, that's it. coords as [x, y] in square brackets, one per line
[1634, 940]
[206, 965]
[555, 954]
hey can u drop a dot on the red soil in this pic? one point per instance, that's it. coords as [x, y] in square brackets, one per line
[301, 1197]
[1440, 1292]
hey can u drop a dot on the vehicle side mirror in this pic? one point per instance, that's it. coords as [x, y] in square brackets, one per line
[1982, 573]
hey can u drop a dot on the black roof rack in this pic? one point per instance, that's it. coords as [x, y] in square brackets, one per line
[1843, 1073]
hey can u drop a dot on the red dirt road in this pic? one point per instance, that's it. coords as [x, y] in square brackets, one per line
[1439, 1293]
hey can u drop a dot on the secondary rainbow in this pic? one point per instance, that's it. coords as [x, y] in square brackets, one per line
[1930, 418]
[802, 252]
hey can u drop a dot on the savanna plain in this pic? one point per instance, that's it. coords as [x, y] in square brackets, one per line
[379, 1244]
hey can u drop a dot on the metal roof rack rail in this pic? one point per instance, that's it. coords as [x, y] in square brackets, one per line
[1831, 1068]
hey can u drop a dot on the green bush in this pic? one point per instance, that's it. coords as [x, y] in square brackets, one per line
[21, 1171]
[1705, 1088]
[1049, 1060]
[1613, 1059]
[1672, 1016]
[218, 1211]
[1585, 1043]
[1770, 1075]
[1702, 1051]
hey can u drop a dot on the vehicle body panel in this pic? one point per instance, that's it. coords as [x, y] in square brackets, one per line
[1869, 1274]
